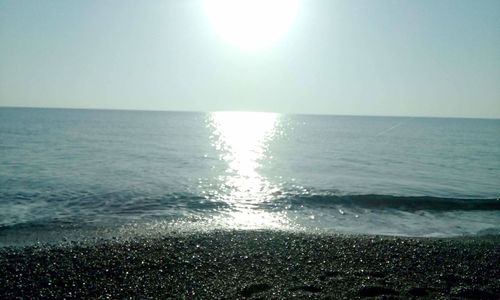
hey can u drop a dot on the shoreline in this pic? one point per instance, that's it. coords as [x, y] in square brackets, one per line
[256, 264]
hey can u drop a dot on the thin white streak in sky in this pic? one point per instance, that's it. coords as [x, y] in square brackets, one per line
[393, 127]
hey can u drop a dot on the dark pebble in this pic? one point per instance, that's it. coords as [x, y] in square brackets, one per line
[307, 288]
[418, 292]
[373, 291]
[331, 274]
[255, 288]
[476, 294]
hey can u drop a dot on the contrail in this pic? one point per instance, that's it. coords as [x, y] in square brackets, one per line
[394, 126]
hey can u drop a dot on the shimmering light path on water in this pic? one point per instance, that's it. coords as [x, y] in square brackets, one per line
[242, 140]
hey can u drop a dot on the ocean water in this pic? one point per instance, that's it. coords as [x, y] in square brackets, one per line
[93, 172]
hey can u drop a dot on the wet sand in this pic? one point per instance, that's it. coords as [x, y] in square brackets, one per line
[255, 264]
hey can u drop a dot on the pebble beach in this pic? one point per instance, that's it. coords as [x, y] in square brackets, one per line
[255, 265]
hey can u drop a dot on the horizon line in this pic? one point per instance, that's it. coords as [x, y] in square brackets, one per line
[251, 111]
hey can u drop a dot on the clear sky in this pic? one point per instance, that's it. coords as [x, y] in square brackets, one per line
[361, 57]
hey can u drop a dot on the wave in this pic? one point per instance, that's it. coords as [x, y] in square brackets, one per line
[385, 202]
[123, 206]
[84, 208]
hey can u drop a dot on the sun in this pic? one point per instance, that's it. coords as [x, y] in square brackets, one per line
[251, 24]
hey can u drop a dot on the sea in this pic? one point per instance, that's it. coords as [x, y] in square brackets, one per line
[70, 174]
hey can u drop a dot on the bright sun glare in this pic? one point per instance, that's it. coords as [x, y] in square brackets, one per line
[251, 24]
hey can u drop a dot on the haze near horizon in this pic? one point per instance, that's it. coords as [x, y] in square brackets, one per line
[408, 58]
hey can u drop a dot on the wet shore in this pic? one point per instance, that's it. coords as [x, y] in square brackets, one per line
[255, 264]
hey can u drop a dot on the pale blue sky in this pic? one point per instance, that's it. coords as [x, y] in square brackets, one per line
[419, 58]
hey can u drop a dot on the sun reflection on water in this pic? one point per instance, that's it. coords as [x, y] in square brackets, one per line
[242, 141]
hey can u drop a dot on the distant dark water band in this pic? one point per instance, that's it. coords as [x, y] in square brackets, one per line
[403, 203]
